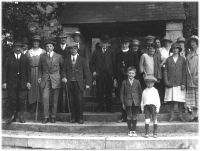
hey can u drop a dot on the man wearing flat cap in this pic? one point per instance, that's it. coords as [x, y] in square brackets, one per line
[76, 76]
[49, 78]
[124, 59]
[102, 68]
[16, 79]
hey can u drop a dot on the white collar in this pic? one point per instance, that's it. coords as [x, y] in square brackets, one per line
[19, 55]
[51, 54]
[75, 57]
[63, 46]
[125, 50]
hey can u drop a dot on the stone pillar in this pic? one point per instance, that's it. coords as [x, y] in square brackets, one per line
[174, 30]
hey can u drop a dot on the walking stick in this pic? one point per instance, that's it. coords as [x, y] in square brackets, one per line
[68, 101]
[36, 112]
[63, 101]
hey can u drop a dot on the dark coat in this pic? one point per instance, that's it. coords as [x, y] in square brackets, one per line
[123, 61]
[102, 62]
[131, 94]
[81, 71]
[157, 68]
[50, 69]
[10, 71]
[64, 53]
[175, 73]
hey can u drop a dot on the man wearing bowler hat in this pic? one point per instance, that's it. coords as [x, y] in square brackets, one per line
[62, 48]
[50, 69]
[16, 79]
[102, 68]
[76, 75]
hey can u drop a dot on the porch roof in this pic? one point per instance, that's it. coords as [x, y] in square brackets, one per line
[109, 12]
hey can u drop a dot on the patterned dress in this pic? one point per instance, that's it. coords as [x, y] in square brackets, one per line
[192, 80]
[34, 57]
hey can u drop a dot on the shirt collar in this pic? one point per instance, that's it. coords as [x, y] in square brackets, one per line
[63, 46]
[19, 55]
[125, 50]
[51, 53]
[75, 56]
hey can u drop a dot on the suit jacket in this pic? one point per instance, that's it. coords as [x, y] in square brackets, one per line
[123, 61]
[50, 69]
[81, 71]
[102, 62]
[175, 73]
[64, 53]
[130, 94]
[10, 71]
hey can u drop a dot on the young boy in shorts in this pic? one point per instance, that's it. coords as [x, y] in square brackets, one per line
[150, 104]
[130, 95]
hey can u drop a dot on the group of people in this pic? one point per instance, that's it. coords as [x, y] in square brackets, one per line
[60, 70]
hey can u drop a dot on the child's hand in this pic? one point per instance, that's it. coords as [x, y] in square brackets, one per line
[123, 106]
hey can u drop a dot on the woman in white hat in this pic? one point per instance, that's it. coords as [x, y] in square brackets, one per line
[175, 81]
[192, 78]
[34, 56]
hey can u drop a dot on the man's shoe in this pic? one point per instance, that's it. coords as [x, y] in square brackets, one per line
[53, 120]
[134, 134]
[146, 135]
[81, 121]
[155, 135]
[22, 120]
[12, 119]
[121, 120]
[130, 133]
[45, 120]
[171, 119]
[72, 121]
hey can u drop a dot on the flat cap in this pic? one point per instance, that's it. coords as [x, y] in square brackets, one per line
[150, 78]
[149, 37]
[36, 37]
[166, 38]
[49, 41]
[72, 44]
[180, 39]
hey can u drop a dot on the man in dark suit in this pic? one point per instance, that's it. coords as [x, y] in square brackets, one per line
[63, 50]
[124, 59]
[102, 67]
[16, 79]
[49, 78]
[76, 75]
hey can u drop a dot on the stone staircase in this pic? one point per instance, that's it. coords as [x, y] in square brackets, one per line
[99, 132]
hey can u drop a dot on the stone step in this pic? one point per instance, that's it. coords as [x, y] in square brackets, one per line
[120, 141]
[99, 127]
[105, 117]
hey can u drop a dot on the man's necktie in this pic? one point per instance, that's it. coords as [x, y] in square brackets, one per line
[73, 59]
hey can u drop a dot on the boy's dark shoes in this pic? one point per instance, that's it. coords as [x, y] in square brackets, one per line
[45, 120]
[53, 120]
[121, 120]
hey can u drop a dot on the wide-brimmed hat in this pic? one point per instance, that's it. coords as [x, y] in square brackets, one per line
[36, 37]
[125, 40]
[63, 35]
[194, 37]
[176, 45]
[180, 39]
[49, 41]
[150, 78]
[166, 38]
[72, 44]
[17, 43]
[149, 37]
[135, 42]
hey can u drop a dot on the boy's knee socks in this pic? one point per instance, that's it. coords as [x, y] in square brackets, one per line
[129, 124]
[134, 122]
[155, 128]
[146, 129]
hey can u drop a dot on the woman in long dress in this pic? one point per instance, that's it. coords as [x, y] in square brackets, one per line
[192, 78]
[175, 81]
[34, 56]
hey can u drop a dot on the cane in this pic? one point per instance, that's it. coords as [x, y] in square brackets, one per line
[68, 101]
[36, 112]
